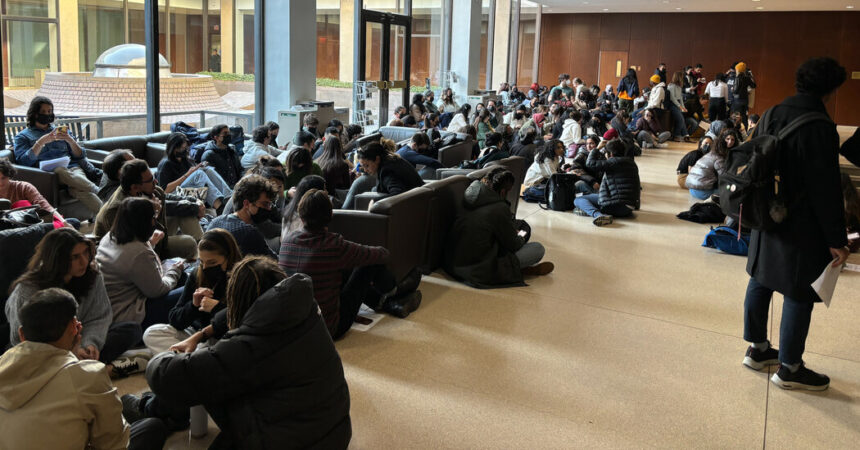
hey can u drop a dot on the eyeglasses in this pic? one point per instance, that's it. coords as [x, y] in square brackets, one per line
[151, 180]
[264, 205]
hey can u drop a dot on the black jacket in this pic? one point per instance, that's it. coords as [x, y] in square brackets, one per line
[276, 382]
[225, 161]
[620, 185]
[184, 314]
[741, 88]
[790, 257]
[481, 247]
[397, 175]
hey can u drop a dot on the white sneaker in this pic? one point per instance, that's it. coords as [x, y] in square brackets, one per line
[127, 365]
[663, 145]
[646, 145]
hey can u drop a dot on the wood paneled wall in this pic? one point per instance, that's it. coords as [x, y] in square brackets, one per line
[772, 44]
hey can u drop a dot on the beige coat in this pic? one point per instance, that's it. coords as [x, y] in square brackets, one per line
[49, 399]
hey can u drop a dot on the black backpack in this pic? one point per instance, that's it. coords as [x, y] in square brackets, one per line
[749, 188]
[560, 192]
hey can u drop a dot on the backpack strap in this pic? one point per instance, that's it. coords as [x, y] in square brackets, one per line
[804, 119]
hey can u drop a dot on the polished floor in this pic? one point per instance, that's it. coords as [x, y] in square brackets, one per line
[634, 341]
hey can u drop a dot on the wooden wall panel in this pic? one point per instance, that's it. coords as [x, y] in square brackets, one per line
[773, 44]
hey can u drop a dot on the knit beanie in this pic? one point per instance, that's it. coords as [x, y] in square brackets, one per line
[655, 78]
[741, 67]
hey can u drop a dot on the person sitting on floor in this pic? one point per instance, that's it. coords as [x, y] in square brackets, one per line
[51, 399]
[299, 165]
[258, 146]
[203, 295]
[619, 189]
[175, 213]
[221, 155]
[253, 197]
[139, 288]
[336, 169]
[291, 220]
[41, 141]
[649, 132]
[175, 170]
[66, 259]
[22, 193]
[276, 380]
[486, 247]
[545, 164]
[689, 160]
[345, 274]
[702, 181]
[110, 172]
[414, 154]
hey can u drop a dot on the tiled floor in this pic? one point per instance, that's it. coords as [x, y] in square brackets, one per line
[634, 341]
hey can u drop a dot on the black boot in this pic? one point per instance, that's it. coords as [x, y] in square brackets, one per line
[403, 306]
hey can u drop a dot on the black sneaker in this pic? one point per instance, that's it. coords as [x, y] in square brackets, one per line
[602, 220]
[580, 212]
[802, 379]
[759, 359]
[131, 408]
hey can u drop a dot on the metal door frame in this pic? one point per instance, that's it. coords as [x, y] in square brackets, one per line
[385, 82]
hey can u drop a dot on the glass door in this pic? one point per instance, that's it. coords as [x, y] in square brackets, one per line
[383, 67]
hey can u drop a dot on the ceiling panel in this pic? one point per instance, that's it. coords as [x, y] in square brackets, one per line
[601, 6]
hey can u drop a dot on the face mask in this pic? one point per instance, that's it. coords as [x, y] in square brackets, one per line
[518, 116]
[213, 275]
[492, 108]
[706, 147]
[261, 216]
[45, 119]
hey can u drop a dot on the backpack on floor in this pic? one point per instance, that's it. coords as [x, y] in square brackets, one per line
[725, 239]
[749, 188]
[560, 192]
[535, 194]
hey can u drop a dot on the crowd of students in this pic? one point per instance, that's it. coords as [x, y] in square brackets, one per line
[202, 255]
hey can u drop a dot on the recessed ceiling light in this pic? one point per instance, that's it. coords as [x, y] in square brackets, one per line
[759, 7]
[850, 6]
[756, 0]
[678, 9]
[606, 9]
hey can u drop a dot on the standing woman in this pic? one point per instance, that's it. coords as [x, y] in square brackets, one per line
[203, 296]
[628, 90]
[66, 259]
[275, 380]
[676, 107]
[139, 289]
[718, 92]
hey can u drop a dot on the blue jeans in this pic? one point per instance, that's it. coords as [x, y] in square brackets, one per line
[590, 203]
[208, 177]
[795, 322]
[680, 129]
[530, 254]
[582, 187]
[702, 194]
[362, 184]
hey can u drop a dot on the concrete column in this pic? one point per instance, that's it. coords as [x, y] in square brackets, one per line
[240, 43]
[289, 72]
[466, 48]
[70, 57]
[501, 39]
[227, 15]
[347, 41]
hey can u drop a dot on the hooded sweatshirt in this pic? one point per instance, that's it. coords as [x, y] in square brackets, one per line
[571, 132]
[658, 94]
[49, 399]
[482, 244]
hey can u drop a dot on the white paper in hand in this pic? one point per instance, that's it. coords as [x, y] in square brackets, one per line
[51, 165]
[826, 282]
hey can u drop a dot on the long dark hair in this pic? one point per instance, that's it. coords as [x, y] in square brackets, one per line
[250, 278]
[133, 220]
[720, 146]
[50, 263]
[174, 142]
[548, 151]
[309, 182]
[631, 75]
[221, 242]
[35, 107]
[332, 157]
[299, 156]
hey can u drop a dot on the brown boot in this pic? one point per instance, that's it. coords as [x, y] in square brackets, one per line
[539, 269]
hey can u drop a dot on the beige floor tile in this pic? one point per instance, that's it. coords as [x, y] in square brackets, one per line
[828, 419]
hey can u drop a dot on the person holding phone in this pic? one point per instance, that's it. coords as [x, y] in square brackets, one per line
[176, 170]
[41, 141]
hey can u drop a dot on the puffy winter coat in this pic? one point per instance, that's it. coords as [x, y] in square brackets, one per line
[620, 185]
[274, 382]
[705, 174]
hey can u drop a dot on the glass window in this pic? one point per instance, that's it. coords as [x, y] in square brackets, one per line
[30, 48]
[29, 8]
[101, 25]
[485, 25]
[328, 39]
[525, 58]
[426, 43]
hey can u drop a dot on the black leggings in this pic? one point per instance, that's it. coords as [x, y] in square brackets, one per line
[365, 285]
[717, 109]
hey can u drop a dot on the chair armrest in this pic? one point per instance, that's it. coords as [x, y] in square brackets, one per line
[154, 153]
[362, 201]
[360, 226]
[446, 172]
[47, 183]
[453, 155]
[5, 204]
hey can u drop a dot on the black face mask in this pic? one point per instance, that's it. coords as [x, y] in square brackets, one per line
[261, 216]
[706, 147]
[518, 116]
[492, 108]
[45, 119]
[213, 275]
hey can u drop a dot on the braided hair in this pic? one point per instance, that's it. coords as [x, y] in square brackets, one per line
[250, 278]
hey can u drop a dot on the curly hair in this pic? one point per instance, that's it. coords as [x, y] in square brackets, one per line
[251, 188]
[6, 168]
[35, 107]
[819, 77]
